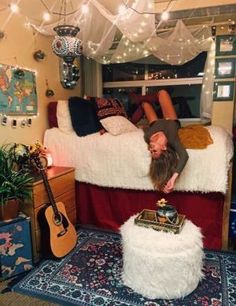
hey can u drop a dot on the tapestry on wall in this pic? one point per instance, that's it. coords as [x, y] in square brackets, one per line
[18, 94]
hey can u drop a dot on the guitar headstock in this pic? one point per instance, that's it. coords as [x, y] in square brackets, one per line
[36, 157]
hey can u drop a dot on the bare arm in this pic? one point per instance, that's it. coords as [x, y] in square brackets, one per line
[182, 154]
[171, 183]
[183, 158]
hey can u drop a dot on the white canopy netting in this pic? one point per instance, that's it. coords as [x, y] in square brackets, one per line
[135, 33]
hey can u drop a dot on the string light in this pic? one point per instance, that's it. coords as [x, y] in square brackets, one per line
[46, 16]
[165, 16]
[84, 8]
[14, 8]
[27, 24]
[145, 13]
[122, 9]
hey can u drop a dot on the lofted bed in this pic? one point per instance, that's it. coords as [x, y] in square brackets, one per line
[111, 171]
[112, 181]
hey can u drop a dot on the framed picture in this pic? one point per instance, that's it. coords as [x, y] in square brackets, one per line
[18, 94]
[225, 45]
[223, 91]
[225, 67]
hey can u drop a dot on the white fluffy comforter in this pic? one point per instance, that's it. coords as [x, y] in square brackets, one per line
[123, 161]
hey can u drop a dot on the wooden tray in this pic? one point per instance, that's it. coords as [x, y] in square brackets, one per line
[147, 218]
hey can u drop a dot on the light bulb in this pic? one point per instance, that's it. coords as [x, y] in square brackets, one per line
[14, 7]
[84, 8]
[122, 9]
[165, 15]
[46, 16]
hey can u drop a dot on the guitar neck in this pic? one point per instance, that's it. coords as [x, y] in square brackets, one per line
[37, 162]
[49, 191]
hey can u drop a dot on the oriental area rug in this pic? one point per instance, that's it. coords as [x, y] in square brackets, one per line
[91, 275]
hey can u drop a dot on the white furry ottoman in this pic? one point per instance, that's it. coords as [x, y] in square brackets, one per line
[161, 265]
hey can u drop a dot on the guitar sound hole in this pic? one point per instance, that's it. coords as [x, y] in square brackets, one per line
[58, 219]
[61, 219]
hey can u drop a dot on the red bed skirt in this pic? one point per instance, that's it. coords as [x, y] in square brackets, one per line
[109, 208]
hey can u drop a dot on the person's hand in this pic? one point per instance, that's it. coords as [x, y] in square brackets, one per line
[170, 184]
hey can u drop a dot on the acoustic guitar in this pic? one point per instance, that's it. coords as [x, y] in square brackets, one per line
[60, 237]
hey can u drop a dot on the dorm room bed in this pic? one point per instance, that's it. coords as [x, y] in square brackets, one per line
[112, 181]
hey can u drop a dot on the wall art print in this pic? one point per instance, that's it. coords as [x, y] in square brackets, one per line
[225, 45]
[18, 94]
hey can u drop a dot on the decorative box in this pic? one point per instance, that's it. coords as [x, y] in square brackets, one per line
[148, 218]
[15, 247]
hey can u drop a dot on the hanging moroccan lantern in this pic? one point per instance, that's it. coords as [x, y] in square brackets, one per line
[66, 45]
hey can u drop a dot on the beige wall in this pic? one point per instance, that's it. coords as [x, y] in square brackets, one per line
[17, 48]
[223, 114]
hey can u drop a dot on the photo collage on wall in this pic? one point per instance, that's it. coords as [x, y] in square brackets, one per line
[225, 68]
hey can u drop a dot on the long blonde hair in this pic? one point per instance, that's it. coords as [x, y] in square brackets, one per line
[162, 168]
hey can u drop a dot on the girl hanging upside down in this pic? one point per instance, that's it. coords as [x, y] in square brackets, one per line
[168, 155]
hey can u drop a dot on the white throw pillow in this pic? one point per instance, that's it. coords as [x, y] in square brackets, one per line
[63, 117]
[117, 125]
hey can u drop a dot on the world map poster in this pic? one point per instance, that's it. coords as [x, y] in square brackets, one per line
[18, 94]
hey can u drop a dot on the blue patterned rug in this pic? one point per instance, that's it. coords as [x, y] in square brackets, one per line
[91, 275]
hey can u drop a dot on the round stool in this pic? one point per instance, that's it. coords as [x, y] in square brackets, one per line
[161, 265]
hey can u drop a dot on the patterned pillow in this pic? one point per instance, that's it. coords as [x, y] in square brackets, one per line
[117, 125]
[109, 107]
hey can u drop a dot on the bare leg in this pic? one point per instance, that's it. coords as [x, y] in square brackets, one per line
[166, 104]
[168, 110]
[149, 112]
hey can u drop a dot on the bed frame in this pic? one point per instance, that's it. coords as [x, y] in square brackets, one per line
[109, 208]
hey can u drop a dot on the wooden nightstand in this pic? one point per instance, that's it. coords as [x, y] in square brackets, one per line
[62, 183]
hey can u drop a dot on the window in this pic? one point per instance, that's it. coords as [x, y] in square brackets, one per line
[122, 94]
[152, 69]
[149, 75]
[191, 69]
[185, 98]
[123, 72]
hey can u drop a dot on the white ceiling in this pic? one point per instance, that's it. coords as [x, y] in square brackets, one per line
[34, 9]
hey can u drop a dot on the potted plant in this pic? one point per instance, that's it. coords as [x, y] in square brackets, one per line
[14, 184]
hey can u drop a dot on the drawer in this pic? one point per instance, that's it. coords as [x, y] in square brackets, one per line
[59, 186]
[68, 199]
[38, 241]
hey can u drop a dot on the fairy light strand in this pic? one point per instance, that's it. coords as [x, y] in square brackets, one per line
[145, 12]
